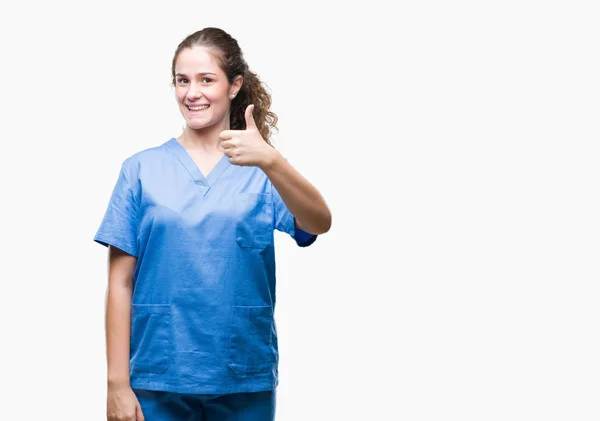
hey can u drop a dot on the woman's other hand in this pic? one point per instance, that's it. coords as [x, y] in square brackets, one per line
[122, 404]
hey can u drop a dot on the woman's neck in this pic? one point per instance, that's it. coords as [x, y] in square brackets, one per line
[205, 140]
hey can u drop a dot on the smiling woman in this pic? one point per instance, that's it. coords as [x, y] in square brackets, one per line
[208, 66]
[190, 223]
[203, 97]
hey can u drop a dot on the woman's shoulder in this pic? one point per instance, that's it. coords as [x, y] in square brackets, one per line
[133, 163]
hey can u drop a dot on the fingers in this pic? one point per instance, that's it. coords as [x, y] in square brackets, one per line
[228, 134]
[232, 153]
[139, 415]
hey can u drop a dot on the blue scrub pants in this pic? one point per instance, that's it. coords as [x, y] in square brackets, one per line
[167, 406]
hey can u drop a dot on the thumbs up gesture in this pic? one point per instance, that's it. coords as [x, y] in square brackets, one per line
[246, 147]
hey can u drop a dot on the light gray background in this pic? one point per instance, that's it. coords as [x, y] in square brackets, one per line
[455, 142]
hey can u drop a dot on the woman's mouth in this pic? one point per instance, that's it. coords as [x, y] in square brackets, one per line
[197, 108]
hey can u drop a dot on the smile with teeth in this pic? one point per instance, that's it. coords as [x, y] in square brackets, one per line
[198, 107]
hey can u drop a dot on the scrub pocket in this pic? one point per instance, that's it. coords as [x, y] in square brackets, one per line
[251, 348]
[150, 337]
[255, 223]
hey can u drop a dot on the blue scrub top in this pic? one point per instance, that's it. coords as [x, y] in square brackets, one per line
[204, 283]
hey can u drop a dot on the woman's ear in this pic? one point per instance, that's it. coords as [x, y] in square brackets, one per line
[238, 81]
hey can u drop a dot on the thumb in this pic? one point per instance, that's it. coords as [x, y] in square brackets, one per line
[249, 118]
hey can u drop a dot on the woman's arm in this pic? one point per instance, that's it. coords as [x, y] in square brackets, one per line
[247, 147]
[302, 199]
[118, 315]
[121, 402]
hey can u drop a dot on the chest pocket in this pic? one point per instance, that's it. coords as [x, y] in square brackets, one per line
[255, 224]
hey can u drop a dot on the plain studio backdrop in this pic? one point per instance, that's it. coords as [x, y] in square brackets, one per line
[455, 142]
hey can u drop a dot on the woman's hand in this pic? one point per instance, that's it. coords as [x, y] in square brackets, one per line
[247, 147]
[122, 404]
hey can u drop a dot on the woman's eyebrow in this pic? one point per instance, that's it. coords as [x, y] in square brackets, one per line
[199, 74]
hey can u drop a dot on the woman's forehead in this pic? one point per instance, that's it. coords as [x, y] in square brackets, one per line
[197, 60]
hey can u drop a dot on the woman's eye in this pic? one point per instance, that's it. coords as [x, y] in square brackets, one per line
[207, 79]
[182, 80]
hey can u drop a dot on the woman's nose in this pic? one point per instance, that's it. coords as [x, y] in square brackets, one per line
[194, 92]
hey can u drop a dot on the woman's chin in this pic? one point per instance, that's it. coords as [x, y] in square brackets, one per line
[195, 124]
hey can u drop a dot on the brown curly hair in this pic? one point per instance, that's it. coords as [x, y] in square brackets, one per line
[231, 60]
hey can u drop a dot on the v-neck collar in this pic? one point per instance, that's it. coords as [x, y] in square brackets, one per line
[188, 163]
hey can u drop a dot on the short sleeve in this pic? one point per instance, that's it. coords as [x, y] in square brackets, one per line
[285, 221]
[119, 225]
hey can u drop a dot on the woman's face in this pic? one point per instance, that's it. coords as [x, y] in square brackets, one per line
[202, 89]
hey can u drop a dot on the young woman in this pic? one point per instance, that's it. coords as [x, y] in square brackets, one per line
[191, 291]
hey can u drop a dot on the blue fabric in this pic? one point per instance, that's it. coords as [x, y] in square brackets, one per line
[304, 239]
[204, 283]
[168, 406]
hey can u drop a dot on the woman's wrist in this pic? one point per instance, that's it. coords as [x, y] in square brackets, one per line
[118, 381]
